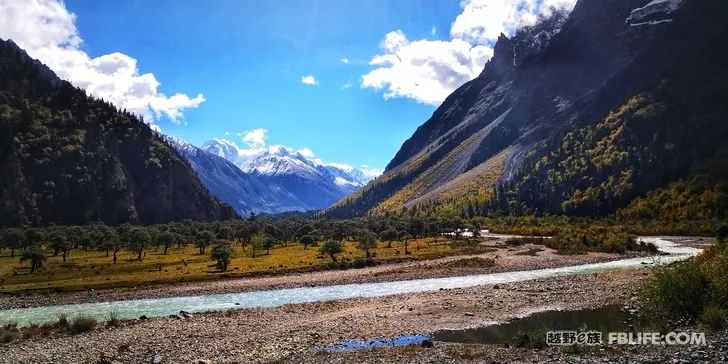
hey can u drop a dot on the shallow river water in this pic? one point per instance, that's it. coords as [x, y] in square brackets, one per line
[130, 309]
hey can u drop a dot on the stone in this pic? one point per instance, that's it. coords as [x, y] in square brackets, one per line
[157, 359]
[427, 344]
[469, 314]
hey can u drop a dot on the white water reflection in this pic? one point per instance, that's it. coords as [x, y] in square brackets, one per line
[217, 302]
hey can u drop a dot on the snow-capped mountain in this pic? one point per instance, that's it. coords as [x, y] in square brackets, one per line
[243, 191]
[268, 180]
[316, 184]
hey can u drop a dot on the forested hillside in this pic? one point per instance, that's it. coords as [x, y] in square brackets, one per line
[67, 158]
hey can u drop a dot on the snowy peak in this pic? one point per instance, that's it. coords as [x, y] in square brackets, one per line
[278, 160]
[221, 148]
[270, 178]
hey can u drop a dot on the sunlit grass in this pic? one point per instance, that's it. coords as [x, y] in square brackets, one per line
[93, 269]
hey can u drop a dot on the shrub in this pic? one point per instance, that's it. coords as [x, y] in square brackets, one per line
[363, 262]
[38, 330]
[331, 248]
[9, 333]
[62, 320]
[689, 291]
[713, 318]
[676, 293]
[83, 324]
[113, 320]
[595, 238]
[518, 241]
[536, 340]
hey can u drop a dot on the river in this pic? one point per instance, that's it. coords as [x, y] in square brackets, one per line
[129, 309]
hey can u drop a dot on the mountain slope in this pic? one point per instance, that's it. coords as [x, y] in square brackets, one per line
[306, 184]
[243, 191]
[659, 68]
[67, 158]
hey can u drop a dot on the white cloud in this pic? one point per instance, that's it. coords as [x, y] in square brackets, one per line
[371, 173]
[429, 70]
[309, 80]
[306, 152]
[347, 86]
[424, 70]
[433, 31]
[255, 138]
[345, 60]
[47, 31]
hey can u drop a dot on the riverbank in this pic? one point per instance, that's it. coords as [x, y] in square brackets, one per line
[292, 333]
[499, 257]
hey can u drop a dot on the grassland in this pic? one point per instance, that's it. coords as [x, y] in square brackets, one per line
[93, 269]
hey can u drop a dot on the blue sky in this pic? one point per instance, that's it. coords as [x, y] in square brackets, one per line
[348, 80]
[247, 58]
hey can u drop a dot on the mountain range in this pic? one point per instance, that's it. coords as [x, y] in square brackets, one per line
[588, 113]
[268, 180]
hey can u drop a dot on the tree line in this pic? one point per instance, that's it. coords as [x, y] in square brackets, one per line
[256, 236]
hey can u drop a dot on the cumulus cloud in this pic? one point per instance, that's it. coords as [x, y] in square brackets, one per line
[424, 70]
[306, 152]
[47, 31]
[255, 138]
[429, 70]
[371, 173]
[309, 80]
[345, 60]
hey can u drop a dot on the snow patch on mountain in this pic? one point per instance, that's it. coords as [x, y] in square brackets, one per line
[343, 182]
[655, 12]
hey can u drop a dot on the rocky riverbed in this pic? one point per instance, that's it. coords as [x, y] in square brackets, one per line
[296, 333]
[292, 333]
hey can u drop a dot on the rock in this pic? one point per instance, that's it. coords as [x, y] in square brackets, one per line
[157, 359]
[495, 286]
[469, 314]
[143, 317]
[427, 344]
[202, 361]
